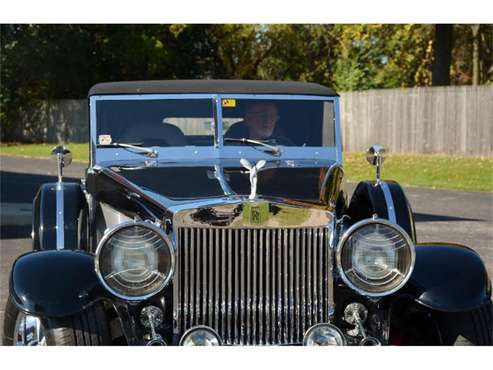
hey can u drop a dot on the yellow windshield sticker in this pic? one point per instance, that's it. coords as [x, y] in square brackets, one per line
[229, 103]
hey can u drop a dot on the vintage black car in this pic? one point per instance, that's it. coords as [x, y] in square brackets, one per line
[215, 213]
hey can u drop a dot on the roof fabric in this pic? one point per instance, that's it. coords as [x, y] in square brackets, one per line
[211, 87]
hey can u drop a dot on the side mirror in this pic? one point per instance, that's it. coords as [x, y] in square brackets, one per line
[63, 157]
[375, 155]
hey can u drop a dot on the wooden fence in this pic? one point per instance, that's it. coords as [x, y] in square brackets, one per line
[450, 120]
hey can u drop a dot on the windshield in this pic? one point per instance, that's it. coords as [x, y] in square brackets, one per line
[307, 123]
[193, 126]
[156, 122]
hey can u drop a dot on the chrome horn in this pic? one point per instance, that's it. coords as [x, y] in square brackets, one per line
[375, 155]
[63, 157]
[370, 341]
[356, 314]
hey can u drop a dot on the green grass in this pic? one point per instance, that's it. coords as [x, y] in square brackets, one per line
[431, 171]
[80, 152]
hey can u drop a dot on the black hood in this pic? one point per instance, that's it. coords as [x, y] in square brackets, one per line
[296, 180]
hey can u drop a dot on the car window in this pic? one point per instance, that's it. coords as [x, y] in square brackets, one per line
[156, 122]
[282, 122]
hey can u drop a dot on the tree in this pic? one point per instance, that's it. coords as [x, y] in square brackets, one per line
[442, 55]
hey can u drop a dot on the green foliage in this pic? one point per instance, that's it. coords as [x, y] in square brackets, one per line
[383, 56]
[40, 62]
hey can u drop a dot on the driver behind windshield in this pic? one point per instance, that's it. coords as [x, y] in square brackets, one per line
[259, 124]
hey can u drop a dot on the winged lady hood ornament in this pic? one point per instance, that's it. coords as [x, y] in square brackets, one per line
[253, 170]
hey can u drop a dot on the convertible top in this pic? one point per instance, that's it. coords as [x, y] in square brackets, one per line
[211, 87]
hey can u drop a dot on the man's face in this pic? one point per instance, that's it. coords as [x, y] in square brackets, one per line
[261, 120]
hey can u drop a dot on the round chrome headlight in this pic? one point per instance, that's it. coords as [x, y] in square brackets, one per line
[375, 257]
[324, 335]
[134, 260]
[200, 336]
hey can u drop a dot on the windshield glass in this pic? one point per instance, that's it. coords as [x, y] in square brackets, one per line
[308, 123]
[156, 122]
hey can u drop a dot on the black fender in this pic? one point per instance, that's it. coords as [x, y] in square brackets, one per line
[449, 278]
[55, 283]
[387, 200]
[44, 231]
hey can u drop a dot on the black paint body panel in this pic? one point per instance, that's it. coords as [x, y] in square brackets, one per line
[44, 216]
[448, 277]
[368, 199]
[55, 283]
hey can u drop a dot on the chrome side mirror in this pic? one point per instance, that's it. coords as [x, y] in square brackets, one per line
[375, 155]
[63, 157]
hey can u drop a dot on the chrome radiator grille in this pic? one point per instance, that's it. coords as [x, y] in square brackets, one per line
[252, 285]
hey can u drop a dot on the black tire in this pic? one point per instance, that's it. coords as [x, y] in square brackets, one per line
[87, 328]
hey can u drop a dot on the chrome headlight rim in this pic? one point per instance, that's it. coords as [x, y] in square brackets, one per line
[348, 233]
[195, 328]
[113, 230]
[312, 328]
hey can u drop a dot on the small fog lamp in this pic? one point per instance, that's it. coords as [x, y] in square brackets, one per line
[200, 336]
[324, 335]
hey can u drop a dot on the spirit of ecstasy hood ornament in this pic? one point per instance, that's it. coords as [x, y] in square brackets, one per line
[253, 170]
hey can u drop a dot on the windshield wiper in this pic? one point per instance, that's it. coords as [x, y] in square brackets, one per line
[273, 150]
[150, 152]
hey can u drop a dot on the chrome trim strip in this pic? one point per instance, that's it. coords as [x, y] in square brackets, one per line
[303, 281]
[192, 250]
[236, 320]
[309, 276]
[315, 259]
[388, 200]
[297, 285]
[338, 130]
[187, 275]
[268, 290]
[223, 283]
[248, 286]
[242, 286]
[217, 297]
[219, 122]
[60, 220]
[261, 274]
[279, 286]
[321, 277]
[254, 245]
[285, 272]
[198, 276]
[273, 274]
[290, 246]
[210, 285]
[219, 175]
[204, 245]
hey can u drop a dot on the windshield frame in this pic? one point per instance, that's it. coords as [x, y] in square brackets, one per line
[218, 150]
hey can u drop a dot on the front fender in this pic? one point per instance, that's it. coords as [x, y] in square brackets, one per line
[55, 283]
[449, 277]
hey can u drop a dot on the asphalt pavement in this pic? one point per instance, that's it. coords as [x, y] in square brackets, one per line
[441, 215]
